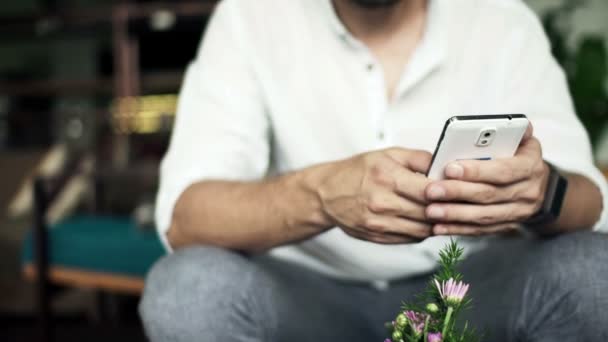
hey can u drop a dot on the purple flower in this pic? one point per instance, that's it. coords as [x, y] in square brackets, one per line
[416, 321]
[434, 337]
[388, 340]
[452, 291]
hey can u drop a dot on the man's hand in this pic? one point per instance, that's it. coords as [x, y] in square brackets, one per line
[489, 197]
[378, 196]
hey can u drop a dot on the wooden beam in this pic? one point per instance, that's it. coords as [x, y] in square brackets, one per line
[89, 280]
[160, 81]
[70, 17]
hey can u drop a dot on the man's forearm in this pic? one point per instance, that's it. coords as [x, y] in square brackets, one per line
[581, 209]
[248, 216]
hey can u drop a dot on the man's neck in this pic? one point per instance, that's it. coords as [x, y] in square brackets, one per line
[374, 23]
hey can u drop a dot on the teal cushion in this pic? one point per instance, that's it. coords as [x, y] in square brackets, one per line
[100, 244]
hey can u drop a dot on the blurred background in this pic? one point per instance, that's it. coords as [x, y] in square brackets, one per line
[87, 99]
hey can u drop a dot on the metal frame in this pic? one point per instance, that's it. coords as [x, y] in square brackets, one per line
[41, 257]
[45, 191]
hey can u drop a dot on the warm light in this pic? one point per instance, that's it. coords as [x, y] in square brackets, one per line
[143, 114]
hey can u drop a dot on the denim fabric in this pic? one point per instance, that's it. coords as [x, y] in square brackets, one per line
[523, 290]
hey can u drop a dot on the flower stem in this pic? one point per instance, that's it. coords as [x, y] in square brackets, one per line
[446, 322]
[426, 328]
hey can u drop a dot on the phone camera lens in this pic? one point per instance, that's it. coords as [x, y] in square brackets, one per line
[484, 142]
[487, 135]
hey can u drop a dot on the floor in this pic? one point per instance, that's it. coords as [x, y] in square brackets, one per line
[68, 329]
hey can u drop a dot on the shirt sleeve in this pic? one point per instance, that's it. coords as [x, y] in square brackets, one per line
[536, 86]
[221, 129]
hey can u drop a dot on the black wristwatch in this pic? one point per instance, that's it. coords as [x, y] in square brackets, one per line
[557, 185]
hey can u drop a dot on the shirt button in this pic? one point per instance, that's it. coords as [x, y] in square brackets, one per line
[370, 67]
[380, 135]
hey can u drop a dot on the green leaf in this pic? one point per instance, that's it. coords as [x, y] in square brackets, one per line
[449, 258]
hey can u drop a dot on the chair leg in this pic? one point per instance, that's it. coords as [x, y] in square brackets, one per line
[42, 264]
[108, 308]
[45, 319]
[100, 306]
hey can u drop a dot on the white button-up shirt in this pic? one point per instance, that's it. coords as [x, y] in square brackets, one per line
[279, 85]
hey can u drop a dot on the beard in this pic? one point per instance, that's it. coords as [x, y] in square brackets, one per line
[375, 3]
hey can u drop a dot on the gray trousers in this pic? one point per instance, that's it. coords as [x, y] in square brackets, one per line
[522, 290]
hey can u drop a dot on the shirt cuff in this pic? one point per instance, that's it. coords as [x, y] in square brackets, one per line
[166, 200]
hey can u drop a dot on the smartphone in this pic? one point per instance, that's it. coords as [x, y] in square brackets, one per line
[481, 137]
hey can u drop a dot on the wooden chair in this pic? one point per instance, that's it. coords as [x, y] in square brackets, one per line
[103, 252]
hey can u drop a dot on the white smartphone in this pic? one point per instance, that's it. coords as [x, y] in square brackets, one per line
[481, 137]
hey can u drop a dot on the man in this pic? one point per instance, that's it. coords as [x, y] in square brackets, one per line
[342, 101]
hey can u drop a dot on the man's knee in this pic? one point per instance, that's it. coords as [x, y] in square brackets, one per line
[582, 253]
[570, 273]
[189, 292]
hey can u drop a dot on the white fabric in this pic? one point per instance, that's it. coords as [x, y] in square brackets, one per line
[286, 77]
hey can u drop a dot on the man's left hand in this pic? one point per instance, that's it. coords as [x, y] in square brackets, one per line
[489, 197]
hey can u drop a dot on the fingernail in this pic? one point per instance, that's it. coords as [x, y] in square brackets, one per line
[454, 170]
[435, 212]
[436, 192]
[440, 230]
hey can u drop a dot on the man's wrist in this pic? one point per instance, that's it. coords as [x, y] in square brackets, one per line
[307, 183]
[555, 189]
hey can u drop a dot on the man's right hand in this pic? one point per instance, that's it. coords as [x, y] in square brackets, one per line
[378, 196]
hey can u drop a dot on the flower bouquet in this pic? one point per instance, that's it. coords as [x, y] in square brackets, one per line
[432, 317]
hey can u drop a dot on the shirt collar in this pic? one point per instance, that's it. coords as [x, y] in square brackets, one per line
[430, 52]
[333, 19]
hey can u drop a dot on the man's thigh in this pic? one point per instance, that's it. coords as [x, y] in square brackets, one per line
[540, 290]
[210, 294]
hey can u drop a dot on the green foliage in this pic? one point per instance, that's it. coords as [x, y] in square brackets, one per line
[586, 68]
[449, 257]
[436, 313]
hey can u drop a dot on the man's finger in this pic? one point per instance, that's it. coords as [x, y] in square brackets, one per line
[479, 193]
[391, 204]
[392, 225]
[385, 239]
[415, 160]
[360, 235]
[480, 214]
[410, 185]
[529, 132]
[473, 230]
[499, 171]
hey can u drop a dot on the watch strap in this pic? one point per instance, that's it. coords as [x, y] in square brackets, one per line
[555, 193]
